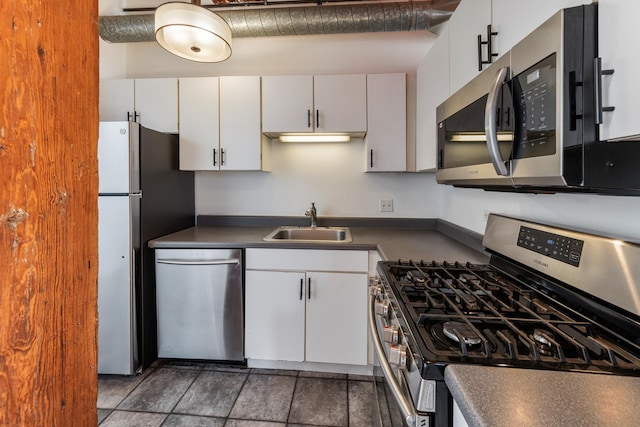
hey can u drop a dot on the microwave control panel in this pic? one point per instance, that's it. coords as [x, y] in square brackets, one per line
[534, 98]
[561, 248]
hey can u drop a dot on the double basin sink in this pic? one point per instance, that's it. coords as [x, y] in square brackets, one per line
[309, 234]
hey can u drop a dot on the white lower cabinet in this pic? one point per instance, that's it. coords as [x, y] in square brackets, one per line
[304, 307]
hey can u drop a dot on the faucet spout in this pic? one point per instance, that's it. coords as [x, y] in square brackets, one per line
[311, 212]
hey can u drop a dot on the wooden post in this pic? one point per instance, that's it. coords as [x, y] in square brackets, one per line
[48, 212]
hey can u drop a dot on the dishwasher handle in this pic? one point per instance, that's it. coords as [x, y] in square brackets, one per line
[199, 262]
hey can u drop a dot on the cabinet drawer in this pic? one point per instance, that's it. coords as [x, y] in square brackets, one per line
[307, 260]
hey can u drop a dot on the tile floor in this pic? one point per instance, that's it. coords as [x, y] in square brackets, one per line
[201, 394]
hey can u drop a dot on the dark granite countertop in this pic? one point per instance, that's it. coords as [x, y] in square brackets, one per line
[497, 396]
[392, 242]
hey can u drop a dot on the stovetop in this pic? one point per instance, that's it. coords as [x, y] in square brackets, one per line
[465, 313]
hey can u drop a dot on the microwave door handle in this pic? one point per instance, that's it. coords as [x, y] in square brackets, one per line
[490, 123]
[406, 405]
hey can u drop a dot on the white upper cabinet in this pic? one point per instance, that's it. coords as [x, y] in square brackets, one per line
[220, 124]
[468, 22]
[199, 123]
[510, 19]
[304, 104]
[242, 145]
[117, 102]
[510, 30]
[287, 104]
[618, 31]
[432, 87]
[340, 103]
[151, 102]
[386, 139]
[157, 104]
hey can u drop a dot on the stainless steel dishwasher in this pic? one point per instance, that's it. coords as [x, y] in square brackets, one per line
[199, 294]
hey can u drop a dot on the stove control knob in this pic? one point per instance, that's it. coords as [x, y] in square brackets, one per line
[375, 290]
[398, 355]
[382, 308]
[390, 334]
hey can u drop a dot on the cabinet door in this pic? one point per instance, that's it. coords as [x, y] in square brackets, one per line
[157, 104]
[287, 104]
[274, 317]
[116, 100]
[386, 139]
[470, 19]
[337, 318]
[432, 87]
[340, 103]
[618, 32]
[199, 130]
[240, 133]
[510, 30]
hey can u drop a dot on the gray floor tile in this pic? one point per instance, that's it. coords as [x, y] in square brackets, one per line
[175, 420]
[180, 364]
[102, 414]
[361, 398]
[274, 371]
[161, 391]
[112, 389]
[314, 374]
[226, 368]
[386, 408]
[264, 397]
[129, 419]
[320, 401]
[248, 423]
[213, 393]
[360, 377]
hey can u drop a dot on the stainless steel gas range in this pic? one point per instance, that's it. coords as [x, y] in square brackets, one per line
[550, 298]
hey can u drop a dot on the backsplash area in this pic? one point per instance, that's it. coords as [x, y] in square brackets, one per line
[329, 174]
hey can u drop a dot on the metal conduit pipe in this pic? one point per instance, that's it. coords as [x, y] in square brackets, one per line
[289, 21]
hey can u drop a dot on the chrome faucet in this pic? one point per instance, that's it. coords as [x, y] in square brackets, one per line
[311, 212]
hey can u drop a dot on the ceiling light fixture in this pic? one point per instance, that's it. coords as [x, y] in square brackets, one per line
[315, 137]
[192, 32]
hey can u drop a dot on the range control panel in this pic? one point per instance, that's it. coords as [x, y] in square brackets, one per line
[564, 249]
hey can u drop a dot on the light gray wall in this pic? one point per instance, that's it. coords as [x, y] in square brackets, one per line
[613, 215]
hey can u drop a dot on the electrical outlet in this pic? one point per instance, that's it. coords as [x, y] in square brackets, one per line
[386, 205]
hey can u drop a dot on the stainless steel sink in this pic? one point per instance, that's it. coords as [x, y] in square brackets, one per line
[310, 234]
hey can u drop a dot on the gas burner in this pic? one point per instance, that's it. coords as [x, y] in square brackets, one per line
[457, 331]
[544, 341]
[416, 276]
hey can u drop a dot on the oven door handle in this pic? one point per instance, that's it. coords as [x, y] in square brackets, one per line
[490, 125]
[406, 405]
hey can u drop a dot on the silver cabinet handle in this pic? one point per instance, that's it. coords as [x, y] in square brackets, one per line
[198, 262]
[598, 72]
[490, 123]
[406, 405]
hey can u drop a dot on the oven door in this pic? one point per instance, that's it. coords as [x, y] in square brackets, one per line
[475, 131]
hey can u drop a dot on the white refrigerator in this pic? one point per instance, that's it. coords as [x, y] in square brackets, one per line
[142, 195]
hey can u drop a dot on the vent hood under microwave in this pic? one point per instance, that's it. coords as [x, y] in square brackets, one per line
[528, 122]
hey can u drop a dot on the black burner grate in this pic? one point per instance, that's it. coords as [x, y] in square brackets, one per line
[473, 313]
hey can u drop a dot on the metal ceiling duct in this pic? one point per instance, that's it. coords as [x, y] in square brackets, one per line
[289, 21]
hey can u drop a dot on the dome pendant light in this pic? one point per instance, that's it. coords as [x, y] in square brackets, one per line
[192, 32]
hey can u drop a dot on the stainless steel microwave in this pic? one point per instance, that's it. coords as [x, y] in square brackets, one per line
[529, 122]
